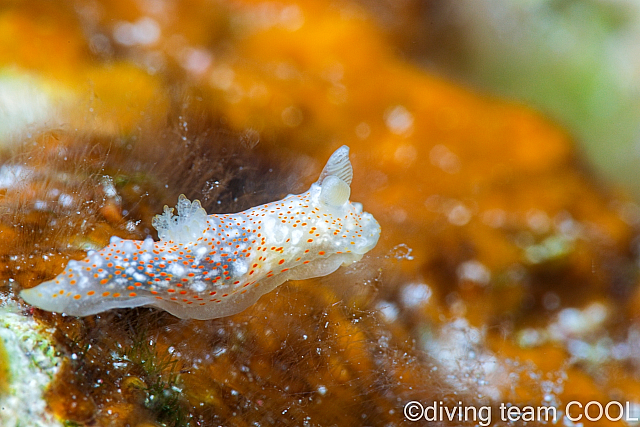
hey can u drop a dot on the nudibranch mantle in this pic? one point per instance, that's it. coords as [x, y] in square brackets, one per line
[209, 266]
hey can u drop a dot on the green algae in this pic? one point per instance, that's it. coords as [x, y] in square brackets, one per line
[5, 374]
[29, 363]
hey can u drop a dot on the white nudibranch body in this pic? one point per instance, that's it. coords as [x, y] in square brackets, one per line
[209, 266]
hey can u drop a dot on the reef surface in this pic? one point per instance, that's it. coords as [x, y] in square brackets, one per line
[506, 272]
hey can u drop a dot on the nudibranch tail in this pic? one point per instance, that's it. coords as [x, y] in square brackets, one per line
[208, 266]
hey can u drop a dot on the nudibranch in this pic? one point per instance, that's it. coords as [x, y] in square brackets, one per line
[209, 266]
